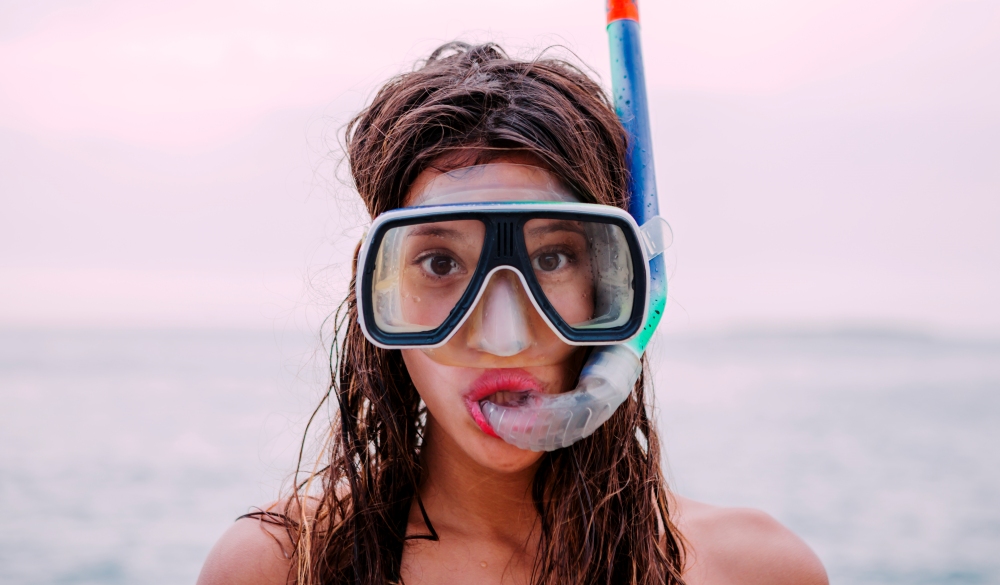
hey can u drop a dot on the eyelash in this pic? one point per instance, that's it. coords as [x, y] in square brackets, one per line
[569, 256]
[419, 260]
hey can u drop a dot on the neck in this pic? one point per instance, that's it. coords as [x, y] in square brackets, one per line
[463, 496]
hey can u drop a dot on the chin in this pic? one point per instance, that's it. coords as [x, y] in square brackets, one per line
[499, 456]
[455, 434]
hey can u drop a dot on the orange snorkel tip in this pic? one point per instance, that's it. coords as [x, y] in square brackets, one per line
[622, 10]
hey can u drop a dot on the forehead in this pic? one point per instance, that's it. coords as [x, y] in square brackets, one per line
[485, 183]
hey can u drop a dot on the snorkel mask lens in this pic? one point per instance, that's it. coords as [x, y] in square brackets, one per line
[425, 269]
[585, 270]
[422, 271]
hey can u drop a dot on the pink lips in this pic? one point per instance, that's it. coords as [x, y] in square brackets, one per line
[493, 381]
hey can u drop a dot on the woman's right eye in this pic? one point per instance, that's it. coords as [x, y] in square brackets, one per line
[439, 265]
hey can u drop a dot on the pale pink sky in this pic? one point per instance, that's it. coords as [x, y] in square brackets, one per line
[173, 74]
[822, 163]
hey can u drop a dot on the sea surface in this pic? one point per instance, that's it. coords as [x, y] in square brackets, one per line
[125, 454]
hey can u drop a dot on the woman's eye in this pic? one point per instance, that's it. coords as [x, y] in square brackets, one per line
[439, 265]
[550, 261]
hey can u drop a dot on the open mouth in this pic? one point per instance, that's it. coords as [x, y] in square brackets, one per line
[509, 398]
[511, 388]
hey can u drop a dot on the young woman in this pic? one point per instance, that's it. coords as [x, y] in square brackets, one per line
[415, 486]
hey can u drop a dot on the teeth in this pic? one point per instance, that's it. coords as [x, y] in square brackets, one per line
[507, 398]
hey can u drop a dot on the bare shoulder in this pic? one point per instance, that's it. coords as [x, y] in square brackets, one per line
[253, 551]
[741, 545]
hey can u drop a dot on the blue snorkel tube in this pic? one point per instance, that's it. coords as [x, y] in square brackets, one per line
[628, 83]
[610, 375]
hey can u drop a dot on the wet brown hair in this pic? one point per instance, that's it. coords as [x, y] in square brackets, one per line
[602, 502]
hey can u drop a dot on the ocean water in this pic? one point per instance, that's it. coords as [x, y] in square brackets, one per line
[882, 450]
[125, 454]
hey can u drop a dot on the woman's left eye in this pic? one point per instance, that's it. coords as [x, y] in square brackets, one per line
[549, 261]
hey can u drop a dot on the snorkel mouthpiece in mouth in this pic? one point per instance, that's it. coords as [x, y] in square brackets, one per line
[551, 421]
[508, 398]
[502, 388]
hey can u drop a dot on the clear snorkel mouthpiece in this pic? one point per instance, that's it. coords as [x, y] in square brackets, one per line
[559, 420]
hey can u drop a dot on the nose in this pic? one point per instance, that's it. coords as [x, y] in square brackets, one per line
[499, 324]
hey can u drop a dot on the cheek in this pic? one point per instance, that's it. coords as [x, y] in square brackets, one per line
[573, 297]
[437, 384]
[575, 304]
[426, 306]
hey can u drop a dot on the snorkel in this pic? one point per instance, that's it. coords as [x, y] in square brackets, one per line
[550, 421]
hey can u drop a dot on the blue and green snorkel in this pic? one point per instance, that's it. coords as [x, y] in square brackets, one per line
[610, 375]
[628, 82]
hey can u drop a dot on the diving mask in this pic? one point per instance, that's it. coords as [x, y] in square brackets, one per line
[423, 270]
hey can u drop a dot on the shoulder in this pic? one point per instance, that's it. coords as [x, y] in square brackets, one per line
[741, 545]
[254, 551]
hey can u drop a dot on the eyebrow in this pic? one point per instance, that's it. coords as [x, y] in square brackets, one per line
[563, 225]
[438, 231]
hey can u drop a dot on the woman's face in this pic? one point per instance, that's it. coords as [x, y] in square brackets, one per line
[504, 348]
